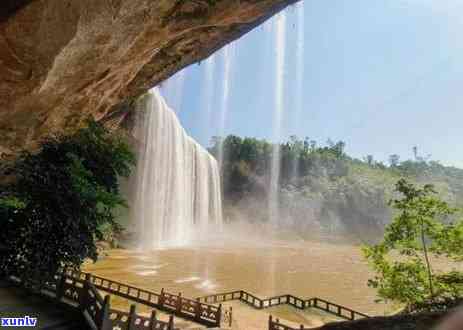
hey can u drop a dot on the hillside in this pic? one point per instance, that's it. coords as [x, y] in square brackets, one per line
[323, 191]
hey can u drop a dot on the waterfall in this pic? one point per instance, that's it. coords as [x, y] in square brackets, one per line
[178, 195]
[207, 97]
[280, 44]
[299, 59]
[228, 53]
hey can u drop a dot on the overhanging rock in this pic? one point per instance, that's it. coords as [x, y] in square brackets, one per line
[64, 60]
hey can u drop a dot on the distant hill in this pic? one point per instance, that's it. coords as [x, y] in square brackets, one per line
[323, 192]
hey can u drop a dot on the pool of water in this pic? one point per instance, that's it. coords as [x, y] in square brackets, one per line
[336, 272]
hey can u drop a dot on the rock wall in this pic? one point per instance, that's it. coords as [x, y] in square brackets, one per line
[64, 60]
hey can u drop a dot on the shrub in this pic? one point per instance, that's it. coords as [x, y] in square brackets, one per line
[51, 215]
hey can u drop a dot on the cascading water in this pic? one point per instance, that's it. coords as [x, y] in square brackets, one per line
[178, 195]
[207, 97]
[228, 53]
[299, 54]
[280, 44]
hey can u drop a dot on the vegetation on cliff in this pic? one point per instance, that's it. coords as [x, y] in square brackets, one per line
[61, 198]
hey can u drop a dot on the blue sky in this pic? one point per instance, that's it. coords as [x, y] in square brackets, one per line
[381, 75]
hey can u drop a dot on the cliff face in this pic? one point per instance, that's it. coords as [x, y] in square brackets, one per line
[63, 60]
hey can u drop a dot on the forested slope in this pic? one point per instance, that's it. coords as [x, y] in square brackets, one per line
[322, 190]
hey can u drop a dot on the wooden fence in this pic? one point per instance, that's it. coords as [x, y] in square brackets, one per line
[276, 325]
[194, 310]
[81, 290]
[287, 299]
[85, 296]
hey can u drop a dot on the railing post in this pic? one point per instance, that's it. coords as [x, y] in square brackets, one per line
[153, 320]
[270, 322]
[105, 321]
[198, 311]
[161, 298]
[171, 323]
[84, 293]
[88, 277]
[179, 302]
[132, 317]
[230, 316]
[60, 287]
[219, 315]
[301, 327]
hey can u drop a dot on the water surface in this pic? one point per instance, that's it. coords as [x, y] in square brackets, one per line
[334, 272]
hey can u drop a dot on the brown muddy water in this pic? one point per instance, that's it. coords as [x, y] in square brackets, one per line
[336, 272]
[257, 259]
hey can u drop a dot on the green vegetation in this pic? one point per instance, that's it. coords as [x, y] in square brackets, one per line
[424, 235]
[60, 202]
[321, 185]
[423, 230]
[246, 158]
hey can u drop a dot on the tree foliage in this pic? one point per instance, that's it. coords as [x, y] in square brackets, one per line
[247, 164]
[423, 232]
[53, 212]
[394, 160]
[246, 159]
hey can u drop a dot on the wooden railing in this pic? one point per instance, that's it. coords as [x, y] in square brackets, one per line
[276, 325]
[81, 290]
[194, 310]
[81, 293]
[287, 299]
[84, 295]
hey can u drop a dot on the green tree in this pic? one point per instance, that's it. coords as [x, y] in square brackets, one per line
[394, 160]
[370, 160]
[338, 149]
[422, 231]
[63, 195]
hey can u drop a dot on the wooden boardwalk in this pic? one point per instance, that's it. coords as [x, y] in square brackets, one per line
[287, 299]
[82, 291]
[202, 312]
[175, 304]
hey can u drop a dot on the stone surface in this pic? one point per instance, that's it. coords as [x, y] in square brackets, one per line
[64, 60]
